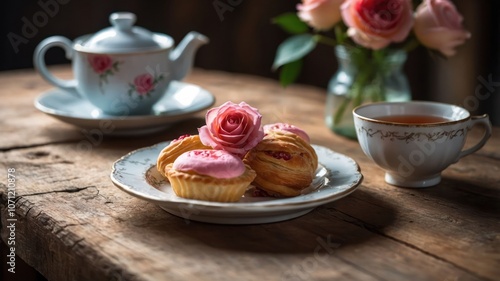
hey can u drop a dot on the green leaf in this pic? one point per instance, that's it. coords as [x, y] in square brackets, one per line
[294, 48]
[291, 23]
[290, 72]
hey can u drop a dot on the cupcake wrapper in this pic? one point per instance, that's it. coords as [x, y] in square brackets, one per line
[193, 186]
[208, 192]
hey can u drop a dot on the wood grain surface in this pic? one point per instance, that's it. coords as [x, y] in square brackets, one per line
[74, 224]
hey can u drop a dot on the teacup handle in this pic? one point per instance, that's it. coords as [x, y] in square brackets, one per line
[41, 67]
[476, 120]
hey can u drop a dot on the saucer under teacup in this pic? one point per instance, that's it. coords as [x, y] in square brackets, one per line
[181, 101]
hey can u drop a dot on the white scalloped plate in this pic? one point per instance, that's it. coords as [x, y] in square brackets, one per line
[136, 174]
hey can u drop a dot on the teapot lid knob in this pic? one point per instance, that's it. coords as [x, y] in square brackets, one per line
[122, 20]
[123, 37]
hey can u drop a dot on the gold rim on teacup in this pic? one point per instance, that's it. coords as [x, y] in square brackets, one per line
[432, 124]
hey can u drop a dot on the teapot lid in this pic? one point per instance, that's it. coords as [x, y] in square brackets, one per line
[124, 37]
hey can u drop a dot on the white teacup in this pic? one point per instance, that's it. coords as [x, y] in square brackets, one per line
[415, 141]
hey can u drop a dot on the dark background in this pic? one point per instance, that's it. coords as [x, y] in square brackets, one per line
[244, 40]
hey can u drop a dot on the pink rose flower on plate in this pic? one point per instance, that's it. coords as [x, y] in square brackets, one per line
[438, 25]
[320, 14]
[100, 63]
[375, 24]
[144, 83]
[235, 128]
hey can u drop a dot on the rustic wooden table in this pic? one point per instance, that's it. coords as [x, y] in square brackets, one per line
[72, 223]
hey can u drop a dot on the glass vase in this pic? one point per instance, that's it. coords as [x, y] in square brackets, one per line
[363, 76]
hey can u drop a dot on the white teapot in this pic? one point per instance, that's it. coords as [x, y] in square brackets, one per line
[122, 69]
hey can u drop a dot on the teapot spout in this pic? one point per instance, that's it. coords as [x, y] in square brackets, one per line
[182, 57]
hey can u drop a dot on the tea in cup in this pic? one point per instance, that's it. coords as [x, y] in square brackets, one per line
[415, 141]
[124, 69]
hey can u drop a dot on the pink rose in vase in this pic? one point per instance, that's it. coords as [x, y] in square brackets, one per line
[284, 127]
[375, 24]
[320, 14]
[235, 128]
[438, 25]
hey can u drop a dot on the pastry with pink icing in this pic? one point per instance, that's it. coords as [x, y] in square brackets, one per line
[287, 128]
[210, 175]
[177, 147]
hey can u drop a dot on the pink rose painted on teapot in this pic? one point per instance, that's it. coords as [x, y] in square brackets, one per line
[104, 66]
[144, 84]
[438, 25]
[100, 63]
[235, 128]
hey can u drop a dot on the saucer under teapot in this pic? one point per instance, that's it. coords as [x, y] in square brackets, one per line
[123, 69]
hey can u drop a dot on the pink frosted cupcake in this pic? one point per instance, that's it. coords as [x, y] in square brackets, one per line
[210, 175]
[284, 127]
[177, 147]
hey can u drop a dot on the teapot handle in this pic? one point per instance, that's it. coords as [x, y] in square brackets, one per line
[41, 67]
